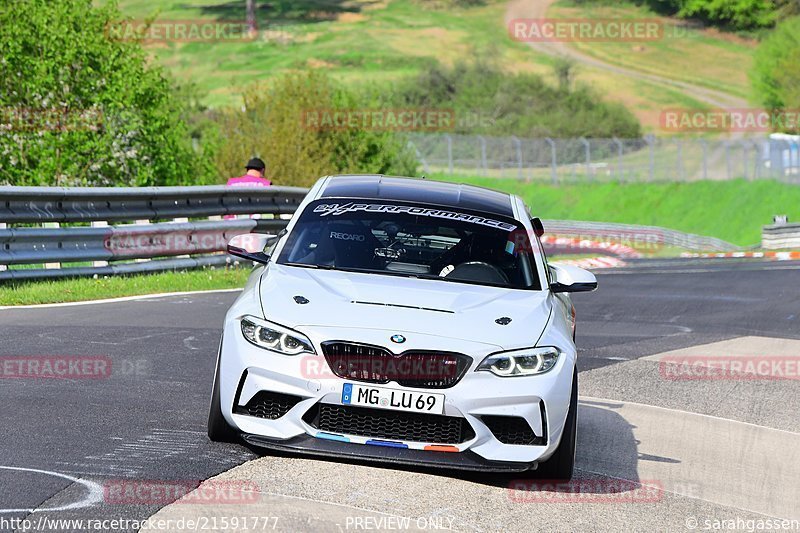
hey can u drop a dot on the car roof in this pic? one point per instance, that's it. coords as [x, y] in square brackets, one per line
[420, 190]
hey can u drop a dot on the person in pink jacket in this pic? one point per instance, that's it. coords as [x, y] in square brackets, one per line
[254, 176]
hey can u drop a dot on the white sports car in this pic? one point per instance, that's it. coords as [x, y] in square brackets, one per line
[408, 321]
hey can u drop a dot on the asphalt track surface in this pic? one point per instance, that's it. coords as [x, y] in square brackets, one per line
[711, 450]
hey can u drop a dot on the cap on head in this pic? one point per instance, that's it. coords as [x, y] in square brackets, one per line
[255, 164]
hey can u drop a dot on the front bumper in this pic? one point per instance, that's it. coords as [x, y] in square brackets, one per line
[541, 401]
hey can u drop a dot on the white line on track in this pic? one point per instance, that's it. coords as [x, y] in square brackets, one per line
[94, 495]
[120, 299]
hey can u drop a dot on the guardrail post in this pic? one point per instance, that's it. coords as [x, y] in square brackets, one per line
[147, 223]
[3, 225]
[553, 160]
[185, 220]
[679, 159]
[518, 144]
[99, 224]
[651, 171]
[52, 225]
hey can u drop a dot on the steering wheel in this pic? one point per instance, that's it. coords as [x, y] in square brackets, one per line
[480, 272]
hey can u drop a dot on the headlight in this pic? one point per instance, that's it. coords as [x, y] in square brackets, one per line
[274, 337]
[525, 362]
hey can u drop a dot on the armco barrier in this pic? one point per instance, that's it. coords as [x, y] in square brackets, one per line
[46, 227]
[84, 204]
[780, 236]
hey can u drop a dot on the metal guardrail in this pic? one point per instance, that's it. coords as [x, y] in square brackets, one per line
[64, 246]
[780, 236]
[129, 248]
[84, 204]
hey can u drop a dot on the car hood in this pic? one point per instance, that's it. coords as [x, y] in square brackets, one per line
[399, 305]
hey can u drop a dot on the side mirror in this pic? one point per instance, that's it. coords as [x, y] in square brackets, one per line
[567, 278]
[538, 227]
[251, 246]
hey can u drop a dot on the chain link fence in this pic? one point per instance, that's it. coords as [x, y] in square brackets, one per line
[645, 159]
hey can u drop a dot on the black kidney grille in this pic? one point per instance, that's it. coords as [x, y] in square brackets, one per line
[512, 430]
[270, 405]
[391, 425]
[415, 368]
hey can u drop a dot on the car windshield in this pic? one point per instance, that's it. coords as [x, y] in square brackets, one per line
[405, 239]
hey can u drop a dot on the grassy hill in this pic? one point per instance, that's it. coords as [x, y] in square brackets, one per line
[701, 56]
[378, 41]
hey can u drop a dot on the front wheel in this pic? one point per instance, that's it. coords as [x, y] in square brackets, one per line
[218, 428]
[562, 463]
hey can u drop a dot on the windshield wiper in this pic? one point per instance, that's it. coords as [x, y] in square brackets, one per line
[311, 265]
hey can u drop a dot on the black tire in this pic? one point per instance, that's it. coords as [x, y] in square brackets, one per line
[218, 428]
[562, 463]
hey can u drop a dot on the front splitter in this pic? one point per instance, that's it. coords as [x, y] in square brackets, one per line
[308, 445]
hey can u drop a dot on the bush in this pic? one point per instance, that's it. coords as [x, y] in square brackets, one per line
[78, 108]
[272, 125]
[491, 102]
[734, 14]
[737, 15]
[776, 68]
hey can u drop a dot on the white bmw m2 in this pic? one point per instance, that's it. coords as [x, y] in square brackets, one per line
[406, 321]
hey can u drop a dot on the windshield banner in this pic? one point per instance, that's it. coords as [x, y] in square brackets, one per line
[340, 209]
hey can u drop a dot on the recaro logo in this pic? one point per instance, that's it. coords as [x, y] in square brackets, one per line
[347, 236]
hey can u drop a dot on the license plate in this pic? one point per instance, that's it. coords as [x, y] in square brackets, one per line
[399, 400]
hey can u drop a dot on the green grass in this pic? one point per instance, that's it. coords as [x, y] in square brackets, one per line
[358, 41]
[374, 42]
[675, 55]
[80, 289]
[733, 211]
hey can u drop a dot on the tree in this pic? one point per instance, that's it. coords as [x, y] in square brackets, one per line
[279, 122]
[776, 67]
[80, 107]
[737, 14]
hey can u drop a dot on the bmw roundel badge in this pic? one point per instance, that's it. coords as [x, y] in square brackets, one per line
[399, 339]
